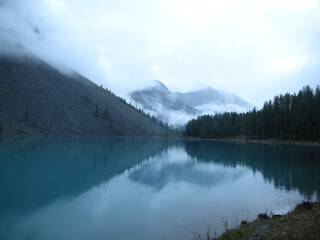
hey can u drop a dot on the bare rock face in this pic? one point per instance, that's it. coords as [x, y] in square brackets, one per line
[36, 97]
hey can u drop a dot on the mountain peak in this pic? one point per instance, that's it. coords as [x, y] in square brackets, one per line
[160, 86]
[159, 83]
[209, 89]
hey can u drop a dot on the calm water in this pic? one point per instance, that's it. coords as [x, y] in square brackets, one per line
[81, 189]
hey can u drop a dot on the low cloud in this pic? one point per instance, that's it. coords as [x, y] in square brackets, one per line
[246, 47]
[212, 109]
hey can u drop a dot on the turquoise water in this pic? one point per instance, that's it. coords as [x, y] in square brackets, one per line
[79, 189]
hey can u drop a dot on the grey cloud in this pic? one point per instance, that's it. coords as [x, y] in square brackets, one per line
[125, 44]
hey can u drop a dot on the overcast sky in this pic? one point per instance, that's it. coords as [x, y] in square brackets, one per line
[253, 48]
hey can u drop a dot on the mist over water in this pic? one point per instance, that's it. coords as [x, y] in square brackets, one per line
[104, 188]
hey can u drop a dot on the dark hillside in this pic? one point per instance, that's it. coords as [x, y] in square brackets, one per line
[37, 98]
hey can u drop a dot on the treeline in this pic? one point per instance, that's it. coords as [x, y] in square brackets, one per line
[287, 117]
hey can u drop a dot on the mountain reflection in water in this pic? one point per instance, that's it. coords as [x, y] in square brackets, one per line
[287, 167]
[102, 188]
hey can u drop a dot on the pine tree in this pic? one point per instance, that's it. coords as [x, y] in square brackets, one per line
[26, 115]
[317, 113]
[286, 115]
[86, 97]
[96, 112]
[106, 113]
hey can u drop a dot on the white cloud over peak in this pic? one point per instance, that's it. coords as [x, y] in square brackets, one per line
[243, 46]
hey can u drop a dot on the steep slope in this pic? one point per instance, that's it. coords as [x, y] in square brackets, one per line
[37, 98]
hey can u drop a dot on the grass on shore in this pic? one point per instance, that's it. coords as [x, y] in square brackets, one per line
[299, 224]
[308, 143]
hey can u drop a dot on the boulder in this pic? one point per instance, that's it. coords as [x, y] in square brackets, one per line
[304, 206]
[263, 216]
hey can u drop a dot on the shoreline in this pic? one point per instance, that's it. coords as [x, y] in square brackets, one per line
[308, 143]
[302, 222]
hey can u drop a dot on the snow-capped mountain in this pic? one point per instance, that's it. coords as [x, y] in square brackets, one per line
[177, 108]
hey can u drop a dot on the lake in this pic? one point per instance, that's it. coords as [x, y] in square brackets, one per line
[102, 188]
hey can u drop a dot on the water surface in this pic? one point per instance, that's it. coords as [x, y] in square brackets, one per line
[79, 189]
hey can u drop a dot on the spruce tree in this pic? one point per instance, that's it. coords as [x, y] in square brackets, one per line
[106, 113]
[317, 113]
[96, 112]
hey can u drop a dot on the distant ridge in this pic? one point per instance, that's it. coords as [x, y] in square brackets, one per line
[36, 98]
[160, 101]
[159, 95]
[210, 95]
